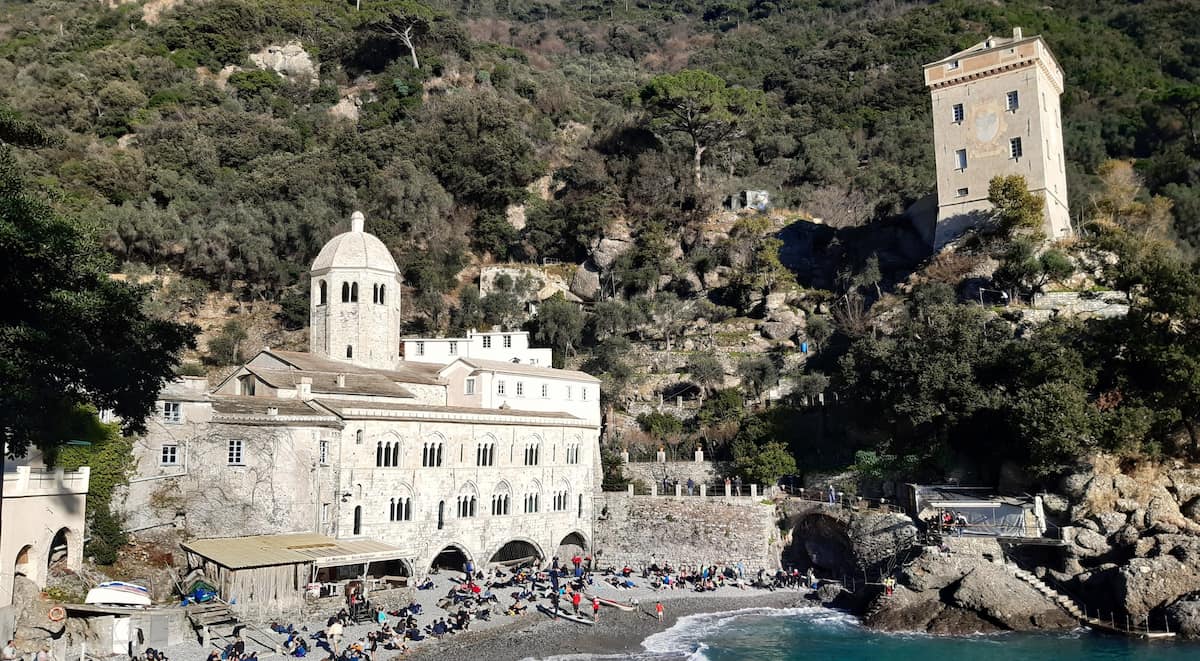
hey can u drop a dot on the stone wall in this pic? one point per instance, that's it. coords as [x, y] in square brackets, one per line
[701, 472]
[639, 530]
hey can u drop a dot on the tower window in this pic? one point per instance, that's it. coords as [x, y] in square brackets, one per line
[382, 290]
[324, 294]
[958, 113]
[349, 351]
[345, 292]
[374, 293]
[1014, 148]
[508, 341]
[487, 341]
[962, 192]
[960, 159]
[420, 348]
[454, 348]
[354, 292]
[1012, 100]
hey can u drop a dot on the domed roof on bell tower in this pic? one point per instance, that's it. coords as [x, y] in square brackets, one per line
[355, 249]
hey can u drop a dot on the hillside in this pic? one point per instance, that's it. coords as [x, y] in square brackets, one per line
[225, 140]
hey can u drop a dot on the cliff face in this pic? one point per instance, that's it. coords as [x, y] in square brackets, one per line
[1133, 540]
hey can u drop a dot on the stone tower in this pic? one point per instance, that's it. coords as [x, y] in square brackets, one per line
[996, 112]
[355, 301]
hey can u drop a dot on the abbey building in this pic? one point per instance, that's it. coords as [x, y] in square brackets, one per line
[422, 451]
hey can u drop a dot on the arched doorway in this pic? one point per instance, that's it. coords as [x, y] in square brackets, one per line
[59, 548]
[357, 519]
[518, 552]
[452, 557]
[24, 563]
[572, 545]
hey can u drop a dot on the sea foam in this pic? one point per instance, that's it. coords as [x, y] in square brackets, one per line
[685, 640]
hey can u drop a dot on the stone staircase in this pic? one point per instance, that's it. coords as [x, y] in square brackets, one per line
[1066, 603]
[217, 625]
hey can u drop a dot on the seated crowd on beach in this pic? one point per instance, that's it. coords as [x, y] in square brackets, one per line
[560, 591]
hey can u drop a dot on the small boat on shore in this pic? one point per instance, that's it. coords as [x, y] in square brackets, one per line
[118, 593]
[612, 603]
[566, 615]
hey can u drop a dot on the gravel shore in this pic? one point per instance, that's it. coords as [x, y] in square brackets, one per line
[538, 637]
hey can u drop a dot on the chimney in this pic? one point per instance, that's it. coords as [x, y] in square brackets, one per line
[304, 387]
[272, 410]
[357, 219]
[1016, 34]
[341, 380]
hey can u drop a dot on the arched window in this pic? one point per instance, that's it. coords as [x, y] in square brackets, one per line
[425, 455]
[387, 454]
[396, 455]
[324, 294]
[349, 351]
[358, 519]
[345, 292]
[392, 509]
[439, 455]
[580, 513]
[441, 514]
[374, 293]
[358, 437]
[408, 509]
[379, 453]
[354, 292]
[381, 292]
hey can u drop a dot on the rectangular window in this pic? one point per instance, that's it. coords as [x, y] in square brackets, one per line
[952, 65]
[454, 348]
[469, 387]
[324, 512]
[568, 392]
[499, 387]
[487, 341]
[170, 455]
[958, 113]
[962, 192]
[420, 348]
[324, 447]
[584, 393]
[1014, 148]
[545, 391]
[508, 341]
[520, 388]
[235, 452]
[1012, 101]
[172, 412]
[960, 159]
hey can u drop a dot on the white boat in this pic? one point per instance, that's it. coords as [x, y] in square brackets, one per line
[117, 593]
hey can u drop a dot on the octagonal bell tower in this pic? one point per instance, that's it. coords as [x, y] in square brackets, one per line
[355, 300]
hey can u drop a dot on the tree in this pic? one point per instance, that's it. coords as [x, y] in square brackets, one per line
[1185, 99]
[226, 347]
[405, 20]
[70, 335]
[1016, 209]
[724, 406]
[758, 374]
[818, 329]
[706, 370]
[700, 106]
[660, 425]
[766, 464]
[559, 324]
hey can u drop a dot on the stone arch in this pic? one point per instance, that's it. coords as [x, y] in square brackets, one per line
[518, 550]
[531, 446]
[572, 544]
[358, 513]
[467, 500]
[433, 449]
[392, 450]
[323, 295]
[452, 556]
[501, 498]
[354, 292]
[485, 449]
[24, 564]
[62, 545]
[345, 292]
[382, 293]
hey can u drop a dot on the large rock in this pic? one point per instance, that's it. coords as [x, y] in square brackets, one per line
[1145, 584]
[606, 251]
[1184, 617]
[996, 594]
[777, 330]
[290, 61]
[1090, 544]
[586, 283]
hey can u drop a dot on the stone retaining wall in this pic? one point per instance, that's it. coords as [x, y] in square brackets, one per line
[639, 530]
[701, 472]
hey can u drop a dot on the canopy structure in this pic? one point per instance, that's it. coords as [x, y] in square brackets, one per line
[271, 572]
[985, 512]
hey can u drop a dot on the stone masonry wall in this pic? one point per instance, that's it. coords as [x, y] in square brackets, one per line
[701, 472]
[639, 530]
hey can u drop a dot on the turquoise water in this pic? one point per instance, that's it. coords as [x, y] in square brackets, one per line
[798, 634]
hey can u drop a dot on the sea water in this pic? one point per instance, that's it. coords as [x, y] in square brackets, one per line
[795, 634]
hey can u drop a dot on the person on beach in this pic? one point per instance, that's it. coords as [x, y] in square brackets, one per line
[658, 609]
[576, 598]
[690, 485]
[333, 634]
[595, 609]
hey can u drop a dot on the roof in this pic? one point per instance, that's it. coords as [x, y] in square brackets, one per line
[292, 549]
[521, 368]
[346, 408]
[355, 249]
[421, 373]
[326, 382]
[248, 405]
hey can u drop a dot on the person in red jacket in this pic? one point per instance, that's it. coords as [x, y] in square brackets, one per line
[575, 599]
[595, 609]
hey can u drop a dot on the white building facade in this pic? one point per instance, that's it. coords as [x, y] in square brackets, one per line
[996, 112]
[477, 450]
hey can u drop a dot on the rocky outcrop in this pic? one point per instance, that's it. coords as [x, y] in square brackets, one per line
[962, 593]
[290, 61]
[1183, 616]
[843, 541]
[586, 283]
